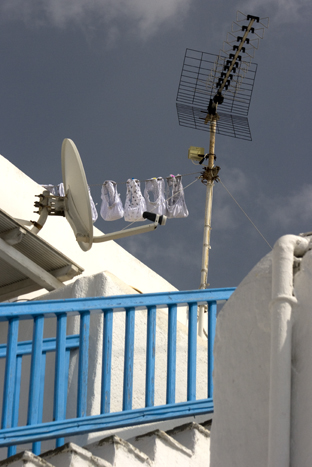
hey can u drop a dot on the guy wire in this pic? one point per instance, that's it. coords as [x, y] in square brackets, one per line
[245, 213]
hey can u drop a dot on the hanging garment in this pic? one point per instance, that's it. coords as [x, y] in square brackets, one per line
[93, 208]
[50, 188]
[135, 204]
[176, 206]
[55, 190]
[111, 208]
[156, 188]
[58, 190]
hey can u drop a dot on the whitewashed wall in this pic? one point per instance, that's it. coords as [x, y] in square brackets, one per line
[239, 436]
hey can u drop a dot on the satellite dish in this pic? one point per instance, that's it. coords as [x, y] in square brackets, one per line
[75, 205]
[77, 201]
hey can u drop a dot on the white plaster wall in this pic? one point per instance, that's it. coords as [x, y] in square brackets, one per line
[239, 435]
[301, 409]
[241, 373]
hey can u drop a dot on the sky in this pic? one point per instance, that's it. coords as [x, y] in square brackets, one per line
[105, 73]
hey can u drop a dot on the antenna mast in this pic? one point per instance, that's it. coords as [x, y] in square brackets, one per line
[206, 82]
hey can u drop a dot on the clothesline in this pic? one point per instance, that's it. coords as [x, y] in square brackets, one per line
[172, 205]
[59, 191]
[141, 181]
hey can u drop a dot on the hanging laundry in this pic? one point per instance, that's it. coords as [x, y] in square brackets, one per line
[58, 190]
[50, 188]
[55, 190]
[135, 204]
[111, 208]
[176, 206]
[94, 213]
[156, 188]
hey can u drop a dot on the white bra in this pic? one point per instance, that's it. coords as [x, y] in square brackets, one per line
[155, 187]
[176, 206]
[135, 203]
[111, 208]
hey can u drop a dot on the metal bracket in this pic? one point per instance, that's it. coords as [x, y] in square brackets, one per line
[210, 175]
[54, 204]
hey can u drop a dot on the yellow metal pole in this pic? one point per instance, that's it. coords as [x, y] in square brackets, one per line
[207, 226]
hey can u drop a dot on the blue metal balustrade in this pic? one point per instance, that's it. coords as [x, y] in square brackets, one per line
[62, 345]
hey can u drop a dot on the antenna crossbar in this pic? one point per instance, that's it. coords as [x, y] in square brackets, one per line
[238, 51]
[227, 80]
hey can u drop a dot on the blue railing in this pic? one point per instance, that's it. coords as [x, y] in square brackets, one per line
[62, 345]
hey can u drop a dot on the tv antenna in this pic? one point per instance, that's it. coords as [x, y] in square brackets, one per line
[208, 81]
[75, 205]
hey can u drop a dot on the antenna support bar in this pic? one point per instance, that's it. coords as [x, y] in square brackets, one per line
[238, 49]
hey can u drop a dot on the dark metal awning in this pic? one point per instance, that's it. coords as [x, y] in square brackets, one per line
[29, 263]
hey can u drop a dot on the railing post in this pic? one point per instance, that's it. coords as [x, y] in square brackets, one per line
[67, 359]
[128, 362]
[83, 364]
[212, 320]
[150, 356]
[171, 353]
[60, 385]
[10, 374]
[107, 360]
[35, 371]
[37, 444]
[35, 376]
[17, 390]
[192, 351]
[12, 449]
[11, 391]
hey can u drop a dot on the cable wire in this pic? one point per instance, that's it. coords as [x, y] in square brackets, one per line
[245, 213]
[141, 181]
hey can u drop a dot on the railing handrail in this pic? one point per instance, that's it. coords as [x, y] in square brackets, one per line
[49, 345]
[116, 420]
[30, 309]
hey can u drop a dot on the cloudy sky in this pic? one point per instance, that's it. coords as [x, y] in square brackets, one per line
[105, 73]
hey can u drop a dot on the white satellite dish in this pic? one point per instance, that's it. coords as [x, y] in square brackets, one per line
[77, 201]
[75, 205]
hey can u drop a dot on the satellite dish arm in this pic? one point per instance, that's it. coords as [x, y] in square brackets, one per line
[124, 233]
[158, 220]
[37, 225]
